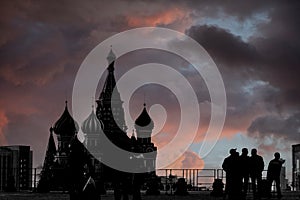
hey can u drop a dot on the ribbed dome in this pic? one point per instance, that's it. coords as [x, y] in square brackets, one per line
[65, 125]
[144, 119]
[91, 125]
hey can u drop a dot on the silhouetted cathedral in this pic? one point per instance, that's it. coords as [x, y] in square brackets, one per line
[108, 119]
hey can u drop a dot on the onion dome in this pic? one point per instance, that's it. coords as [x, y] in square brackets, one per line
[91, 125]
[144, 119]
[66, 125]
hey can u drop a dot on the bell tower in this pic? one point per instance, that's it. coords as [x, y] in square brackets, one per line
[144, 126]
[65, 128]
[109, 105]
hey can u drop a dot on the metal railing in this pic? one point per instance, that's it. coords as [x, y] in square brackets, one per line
[197, 179]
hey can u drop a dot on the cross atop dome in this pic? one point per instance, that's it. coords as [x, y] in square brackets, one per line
[111, 56]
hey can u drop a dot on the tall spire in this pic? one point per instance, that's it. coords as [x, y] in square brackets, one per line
[110, 82]
[109, 109]
[111, 57]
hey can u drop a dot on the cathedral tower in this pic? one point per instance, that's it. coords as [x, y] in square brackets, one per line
[65, 128]
[109, 105]
[144, 126]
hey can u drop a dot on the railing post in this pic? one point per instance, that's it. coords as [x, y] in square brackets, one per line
[214, 173]
[222, 174]
[191, 176]
[197, 179]
[171, 181]
[166, 181]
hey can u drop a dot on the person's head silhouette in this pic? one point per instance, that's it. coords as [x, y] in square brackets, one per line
[253, 152]
[232, 152]
[277, 155]
[244, 151]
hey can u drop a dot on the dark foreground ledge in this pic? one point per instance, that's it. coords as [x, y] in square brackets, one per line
[194, 195]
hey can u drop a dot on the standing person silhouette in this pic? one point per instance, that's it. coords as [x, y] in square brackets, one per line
[245, 170]
[231, 166]
[256, 168]
[273, 174]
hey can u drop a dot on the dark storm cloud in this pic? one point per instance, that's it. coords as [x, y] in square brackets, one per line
[239, 9]
[224, 46]
[37, 36]
[31, 58]
[274, 49]
[42, 46]
[260, 74]
[281, 56]
[284, 21]
[236, 59]
[279, 126]
[280, 48]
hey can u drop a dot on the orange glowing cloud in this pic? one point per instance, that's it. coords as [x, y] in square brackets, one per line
[165, 18]
[3, 123]
[165, 135]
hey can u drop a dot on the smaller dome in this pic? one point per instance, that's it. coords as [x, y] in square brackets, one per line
[91, 125]
[144, 119]
[65, 125]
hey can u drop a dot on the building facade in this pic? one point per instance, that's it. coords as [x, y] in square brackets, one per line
[283, 180]
[296, 166]
[15, 168]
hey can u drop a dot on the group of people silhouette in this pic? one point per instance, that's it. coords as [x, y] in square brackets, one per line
[240, 168]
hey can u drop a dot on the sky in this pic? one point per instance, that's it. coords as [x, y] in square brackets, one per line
[255, 45]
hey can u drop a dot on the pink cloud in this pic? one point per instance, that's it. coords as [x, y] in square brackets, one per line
[3, 123]
[188, 160]
[167, 17]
